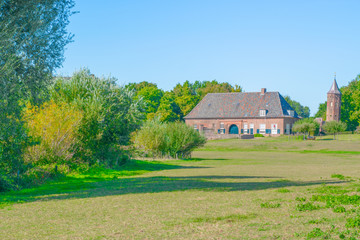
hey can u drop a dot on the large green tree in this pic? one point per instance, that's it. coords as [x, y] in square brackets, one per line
[33, 36]
[350, 104]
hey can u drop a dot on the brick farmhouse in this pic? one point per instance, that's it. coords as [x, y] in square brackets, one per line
[225, 114]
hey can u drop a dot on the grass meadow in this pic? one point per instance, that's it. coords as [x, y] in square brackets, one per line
[265, 188]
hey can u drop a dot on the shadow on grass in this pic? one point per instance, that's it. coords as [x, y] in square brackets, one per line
[202, 159]
[75, 188]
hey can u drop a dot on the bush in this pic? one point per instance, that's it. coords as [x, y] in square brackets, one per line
[110, 114]
[56, 127]
[174, 139]
[258, 135]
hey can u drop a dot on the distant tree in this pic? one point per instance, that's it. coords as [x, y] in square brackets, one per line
[306, 126]
[168, 110]
[350, 104]
[321, 113]
[302, 111]
[151, 96]
[188, 95]
[140, 85]
[185, 97]
[205, 87]
[334, 127]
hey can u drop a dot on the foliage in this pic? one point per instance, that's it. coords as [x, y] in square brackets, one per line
[56, 126]
[205, 87]
[149, 93]
[350, 104]
[334, 127]
[321, 113]
[185, 97]
[173, 139]
[258, 135]
[110, 114]
[188, 95]
[168, 110]
[270, 205]
[302, 111]
[306, 126]
[33, 37]
[151, 96]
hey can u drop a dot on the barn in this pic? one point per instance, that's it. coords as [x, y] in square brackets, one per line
[244, 113]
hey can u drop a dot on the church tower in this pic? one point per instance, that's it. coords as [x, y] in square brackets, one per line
[333, 103]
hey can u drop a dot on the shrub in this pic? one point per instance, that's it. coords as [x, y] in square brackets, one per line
[174, 139]
[307, 207]
[270, 205]
[110, 114]
[56, 127]
[258, 135]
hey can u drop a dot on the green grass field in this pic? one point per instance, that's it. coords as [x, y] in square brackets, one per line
[266, 188]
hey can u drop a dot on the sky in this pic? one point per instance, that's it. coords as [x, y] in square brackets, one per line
[293, 47]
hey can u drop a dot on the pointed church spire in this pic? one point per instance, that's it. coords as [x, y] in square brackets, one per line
[334, 88]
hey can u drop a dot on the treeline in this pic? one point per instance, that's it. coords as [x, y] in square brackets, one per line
[350, 105]
[173, 105]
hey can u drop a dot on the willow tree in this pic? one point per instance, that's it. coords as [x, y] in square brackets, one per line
[33, 36]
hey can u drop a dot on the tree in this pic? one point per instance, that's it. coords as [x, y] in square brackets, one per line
[321, 113]
[306, 126]
[168, 110]
[350, 104]
[334, 127]
[185, 97]
[205, 87]
[110, 113]
[302, 111]
[151, 96]
[33, 36]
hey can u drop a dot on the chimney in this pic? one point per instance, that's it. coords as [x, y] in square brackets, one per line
[263, 91]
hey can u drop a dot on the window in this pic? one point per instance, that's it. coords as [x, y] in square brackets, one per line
[274, 128]
[262, 128]
[195, 126]
[245, 128]
[221, 125]
[262, 112]
[291, 112]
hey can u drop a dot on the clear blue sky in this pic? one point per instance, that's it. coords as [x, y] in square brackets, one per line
[293, 47]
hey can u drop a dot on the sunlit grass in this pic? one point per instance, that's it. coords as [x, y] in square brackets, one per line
[268, 188]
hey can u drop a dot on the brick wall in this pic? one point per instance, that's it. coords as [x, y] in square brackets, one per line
[212, 125]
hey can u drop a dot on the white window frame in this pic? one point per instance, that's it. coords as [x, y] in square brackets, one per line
[262, 128]
[262, 113]
[274, 128]
[245, 128]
